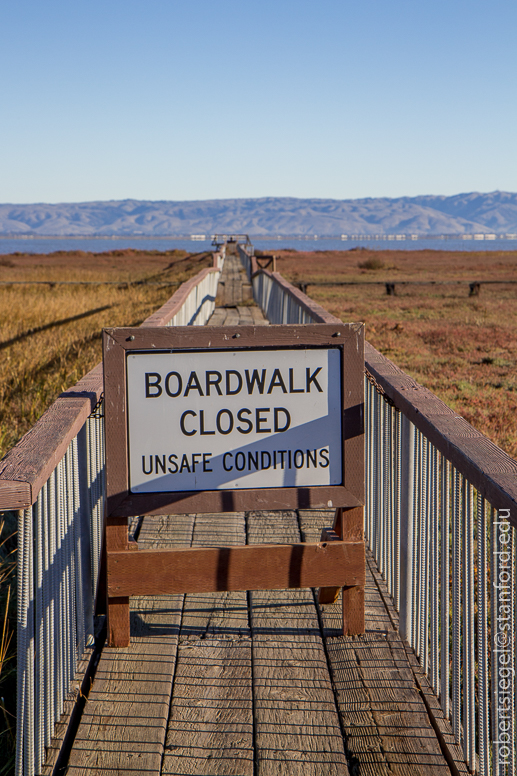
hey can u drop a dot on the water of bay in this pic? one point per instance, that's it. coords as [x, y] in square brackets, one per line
[102, 244]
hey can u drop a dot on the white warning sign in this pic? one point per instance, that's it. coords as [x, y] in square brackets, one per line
[234, 419]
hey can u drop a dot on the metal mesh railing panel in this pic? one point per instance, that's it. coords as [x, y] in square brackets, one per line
[448, 559]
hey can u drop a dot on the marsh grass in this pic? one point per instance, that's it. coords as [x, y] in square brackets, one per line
[50, 336]
[462, 348]
[373, 262]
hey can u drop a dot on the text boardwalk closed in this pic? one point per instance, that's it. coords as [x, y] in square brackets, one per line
[214, 420]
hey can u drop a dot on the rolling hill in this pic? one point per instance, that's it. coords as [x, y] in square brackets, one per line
[495, 212]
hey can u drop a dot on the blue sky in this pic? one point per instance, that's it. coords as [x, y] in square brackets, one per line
[202, 99]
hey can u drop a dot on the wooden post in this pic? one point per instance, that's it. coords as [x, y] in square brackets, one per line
[117, 608]
[349, 525]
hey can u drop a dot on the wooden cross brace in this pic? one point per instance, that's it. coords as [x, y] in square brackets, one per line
[337, 561]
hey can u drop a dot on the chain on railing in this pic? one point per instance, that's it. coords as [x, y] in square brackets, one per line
[59, 551]
[442, 549]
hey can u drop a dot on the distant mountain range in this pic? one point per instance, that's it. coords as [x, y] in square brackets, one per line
[426, 215]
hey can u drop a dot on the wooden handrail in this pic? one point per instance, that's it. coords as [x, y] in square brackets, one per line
[28, 465]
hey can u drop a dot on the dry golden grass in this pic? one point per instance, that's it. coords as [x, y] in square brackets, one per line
[462, 348]
[51, 335]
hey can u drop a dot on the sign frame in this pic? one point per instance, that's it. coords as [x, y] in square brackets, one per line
[117, 342]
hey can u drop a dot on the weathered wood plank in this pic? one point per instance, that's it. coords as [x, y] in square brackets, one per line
[408, 739]
[258, 316]
[218, 317]
[62, 728]
[37, 454]
[232, 317]
[15, 495]
[238, 500]
[210, 728]
[296, 721]
[124, 722]
[364, 745]
[235, 286]
[290, 335]
[245, 315]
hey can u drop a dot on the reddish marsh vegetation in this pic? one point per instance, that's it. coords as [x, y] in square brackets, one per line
[462, 348]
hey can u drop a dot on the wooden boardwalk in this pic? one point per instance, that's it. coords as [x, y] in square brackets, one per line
[258, 683]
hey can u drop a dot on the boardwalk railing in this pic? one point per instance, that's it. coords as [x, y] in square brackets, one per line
[54, 478]
[440, 519]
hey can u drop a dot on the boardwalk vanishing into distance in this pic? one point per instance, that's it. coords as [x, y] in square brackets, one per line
[265, 683]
